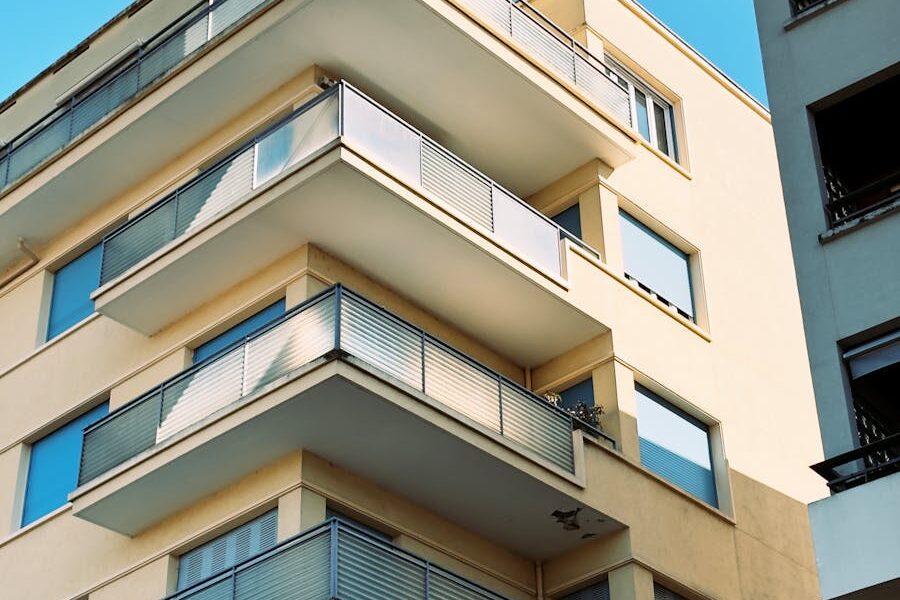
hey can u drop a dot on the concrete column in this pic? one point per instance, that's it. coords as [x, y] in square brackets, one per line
[630, 582]
[612, 235]
[298, 510]
[614, 387]
[591, 219]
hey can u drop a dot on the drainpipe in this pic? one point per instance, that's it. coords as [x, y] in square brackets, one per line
[539, 579]
[32, 260]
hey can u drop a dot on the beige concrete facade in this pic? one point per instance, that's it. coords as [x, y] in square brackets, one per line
[339, 434]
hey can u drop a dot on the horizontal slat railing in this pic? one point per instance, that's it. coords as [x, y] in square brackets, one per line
[153, 59]
[344, 113]
[336, 561]
[557, 50]
[337, 319]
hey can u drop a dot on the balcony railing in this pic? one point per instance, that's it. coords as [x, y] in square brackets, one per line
[336, 561]
[343, 114]
[861, 465]
[145, 65]
[335, 323]
[801, 6]
[557, 50]
[845, 207]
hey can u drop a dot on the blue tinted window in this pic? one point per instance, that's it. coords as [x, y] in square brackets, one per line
[570, 219]
[580, 392]
[598, 591]
[656, 264]
[72, 286]
[53, 466]
[239, 331]
[675, 446]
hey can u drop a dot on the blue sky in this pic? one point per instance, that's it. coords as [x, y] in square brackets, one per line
[33, 34]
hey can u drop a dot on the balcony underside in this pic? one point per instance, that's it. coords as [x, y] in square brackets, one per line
[494, 113]
[357, 418]
[356, 213]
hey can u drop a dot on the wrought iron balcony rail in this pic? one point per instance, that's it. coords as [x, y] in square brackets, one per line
[844, 207]
[342, 114]
[336, 561]
[557, 50]
[336, 323]
[861, 465]
[801, 6]
[134, 73]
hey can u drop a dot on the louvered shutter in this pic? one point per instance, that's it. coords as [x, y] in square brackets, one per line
[598, 591]
[228, 550]
[661, 593]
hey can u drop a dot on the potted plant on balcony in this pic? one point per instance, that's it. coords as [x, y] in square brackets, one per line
[583, 414]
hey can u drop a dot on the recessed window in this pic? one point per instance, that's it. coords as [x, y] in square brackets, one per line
[73, 284]
[227, 550]
[657, 265]
[597, 591]
[570, 220]
[580, 393]
[653, 116]
[675, 446]
[53, 466]
[239, 331]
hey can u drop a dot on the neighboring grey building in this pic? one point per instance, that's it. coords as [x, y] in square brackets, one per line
[833, 75]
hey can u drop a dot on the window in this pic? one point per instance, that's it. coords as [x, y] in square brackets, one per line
[661, 593]
[598, 591]
[227, 550]
[71, 301]
[874, 380]
[653, 117]
[675, 446]
[580, 392]
[570, 220]
[53, 466]
[239, 331]
[657, 265]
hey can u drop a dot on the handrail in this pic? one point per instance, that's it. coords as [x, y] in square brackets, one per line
[124, 257]
[128, 66]
[148, 426]
[873, 468]
[337, 529]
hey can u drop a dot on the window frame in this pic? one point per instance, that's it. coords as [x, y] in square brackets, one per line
[713, 446]
[49, 334]
[90, 415]
[654, 99]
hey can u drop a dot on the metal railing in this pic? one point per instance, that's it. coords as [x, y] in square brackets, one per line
[346, 115]
[861, 465]
[335, 323]
[557, 50]
[336, 561]
[801, 6]
[843, 207]
[135, 72]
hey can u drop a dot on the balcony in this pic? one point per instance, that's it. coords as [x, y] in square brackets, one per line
[280, 376]
[860, 178]
[139, 70]
[489, 103]
[335, 561]
[855, 530]
[310, 179]
[802, 6]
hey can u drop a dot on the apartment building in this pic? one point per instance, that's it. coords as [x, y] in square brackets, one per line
[833, 74]
[427, 299]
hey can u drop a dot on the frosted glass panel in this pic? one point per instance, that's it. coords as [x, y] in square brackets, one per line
[382, 137]
[526, 232]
